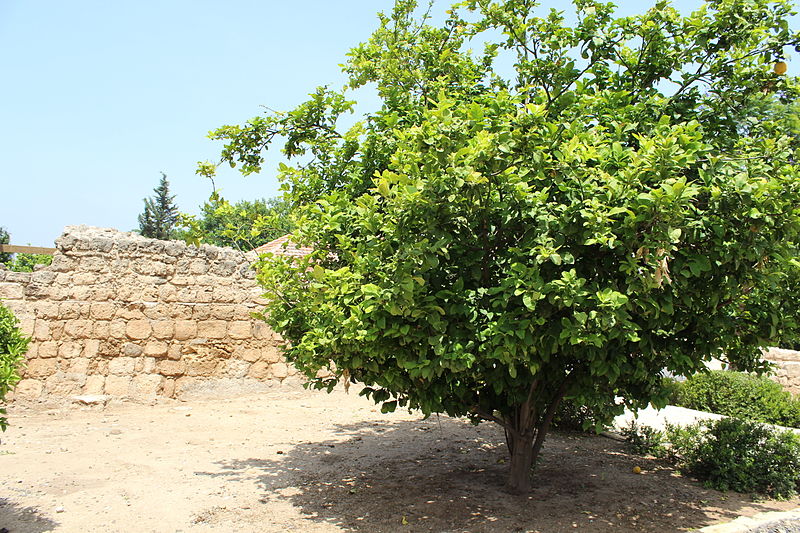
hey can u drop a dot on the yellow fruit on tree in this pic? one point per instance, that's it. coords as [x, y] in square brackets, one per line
[779, 68]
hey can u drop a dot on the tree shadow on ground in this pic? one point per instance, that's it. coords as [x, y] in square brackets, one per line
[447, 475]
[16, 519]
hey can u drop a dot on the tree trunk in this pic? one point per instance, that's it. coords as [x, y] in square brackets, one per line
[519, 475]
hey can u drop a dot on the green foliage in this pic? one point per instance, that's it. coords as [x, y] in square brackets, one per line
[645, 440]
[727, 454]
[672, 389]
[27, 262]
[741, 395]
[244, 225]
[13, 346]
[5, 238]
[488, 245]
[160, 214]
[740, 455]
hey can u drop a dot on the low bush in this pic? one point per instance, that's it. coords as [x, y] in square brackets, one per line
[645, 440]
[740, 455]
[740, 395]
[727, 454]
[13, 345]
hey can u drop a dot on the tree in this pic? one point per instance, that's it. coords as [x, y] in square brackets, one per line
[160, 213]
[13, 346]
[490, 242]
[5, 238]
[244, 225]
[27, 262]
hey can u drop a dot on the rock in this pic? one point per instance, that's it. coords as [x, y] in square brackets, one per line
[91, 399]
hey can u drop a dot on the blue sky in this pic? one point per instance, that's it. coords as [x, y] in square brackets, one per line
[99, 97]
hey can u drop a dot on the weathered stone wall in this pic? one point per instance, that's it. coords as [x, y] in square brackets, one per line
[126, 316]
[787, 368]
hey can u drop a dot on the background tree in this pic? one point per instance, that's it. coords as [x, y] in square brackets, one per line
[160, 213]
[5, 238]
[244, 225]
[489, 244]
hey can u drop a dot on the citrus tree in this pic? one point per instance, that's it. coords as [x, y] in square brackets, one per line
[13, 345]
[582, 203]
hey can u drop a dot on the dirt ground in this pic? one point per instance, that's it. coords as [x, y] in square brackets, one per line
[291, 460]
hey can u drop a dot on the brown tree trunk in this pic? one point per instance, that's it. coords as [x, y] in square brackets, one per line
[519, 475]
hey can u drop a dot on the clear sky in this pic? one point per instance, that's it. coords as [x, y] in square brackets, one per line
[98, 97]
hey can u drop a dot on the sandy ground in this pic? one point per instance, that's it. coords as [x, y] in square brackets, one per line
[291, 460]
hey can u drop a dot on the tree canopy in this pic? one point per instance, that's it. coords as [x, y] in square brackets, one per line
[244, 225]
[160, 214]
[622, 200]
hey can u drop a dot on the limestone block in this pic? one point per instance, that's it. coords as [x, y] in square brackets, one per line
[259, 370]
[223, 295]
[78, 328]
[46, 309]
[47, 349]
[144, 388]
[117, 385]
[81, 293]
[41, 330]
[26, 325]
[187, 294]
[174, 352]
[57, 329]
[204, 312]
[168, 367]
[117, 329]
[145, 365]
[261, 331]
[163, 329]
[131, 311]
[174, 248]
[168, 388]
[44, 277]
[279, 370]
[198, 267]
[138, 329]
[40, 368]
[84, 278]
[185, 330]
[33, 351]
[64, 384]
[201, 367]
[18, 277]
[181, 311]
[78, 366]
[205, 295]
[250, 355]
[131, 349]
[121, 366]
[272, 354]
[102, 310]
[94, 264]
[167, 293]
[91, 347]
[240, 329]
[28, 389]
[212, 329]
[156, 349]
[70, 349]
[94, 384]
[236, 368]
[102, 329]
[69, 310]
[181, 281]
[11, 291]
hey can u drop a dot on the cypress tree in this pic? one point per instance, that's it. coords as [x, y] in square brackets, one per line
[160, 213]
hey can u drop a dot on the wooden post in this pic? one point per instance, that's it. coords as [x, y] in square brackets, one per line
[14, 249]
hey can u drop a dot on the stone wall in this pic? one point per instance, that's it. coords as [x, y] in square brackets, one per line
[125, 316]
[787, 368]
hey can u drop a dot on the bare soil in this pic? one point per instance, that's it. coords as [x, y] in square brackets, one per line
[291, 460]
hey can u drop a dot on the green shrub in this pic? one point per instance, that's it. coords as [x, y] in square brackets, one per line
[740, 395]
[672, 390]
[740, 455]
[645, 440]
[13, 346]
